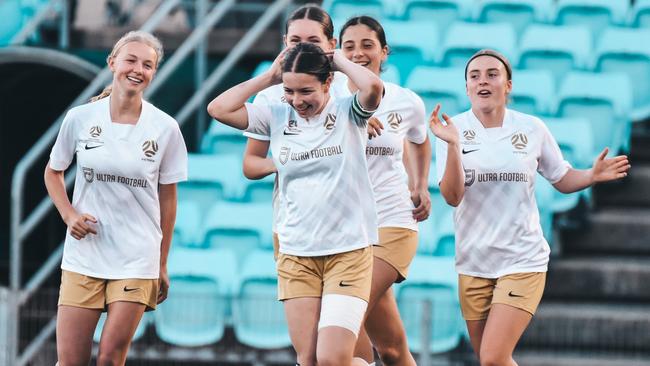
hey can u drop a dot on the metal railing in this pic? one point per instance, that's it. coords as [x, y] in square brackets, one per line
[20, 227]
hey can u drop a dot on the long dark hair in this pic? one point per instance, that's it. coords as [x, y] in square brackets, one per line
[307, 58]
[369, 22]
[313, 12]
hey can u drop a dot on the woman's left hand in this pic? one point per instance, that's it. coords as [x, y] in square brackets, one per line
[608, 169]
[163, 283]
[374, 127]
[422, 201]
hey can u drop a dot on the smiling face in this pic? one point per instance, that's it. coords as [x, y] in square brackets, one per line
[487, 84]
[133, 67]
[306, 30]
[305, 93]
[361, 45]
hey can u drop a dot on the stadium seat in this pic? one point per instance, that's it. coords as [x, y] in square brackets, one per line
[558, 49]
[533, 92]
[391, 74]
[240, 227]
[345, 9]
[446, 244]
[640, 14]
[194, 313]
[261, 68]
[212, 178]
[10, 11]
[627, 50]
[605, 100]
[411, 44]
[260, 190]
[439, 12]
[221, 139]
[544, 194]
[187, 230]
[595, 14]
[464, 39]
[433, 280]
[519, 13]
[258, 316]
[440, 85]
[147, 319]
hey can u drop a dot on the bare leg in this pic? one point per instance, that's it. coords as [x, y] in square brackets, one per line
[336, 347]
[475, 329]
[503, 329]
[122, 320]
[74, 334]
[302, 317]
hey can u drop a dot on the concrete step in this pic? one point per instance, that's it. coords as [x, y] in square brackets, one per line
[621, 279]
[546, 358]
[618, 231]
[634, 190]
[640, 149]
[590, 326]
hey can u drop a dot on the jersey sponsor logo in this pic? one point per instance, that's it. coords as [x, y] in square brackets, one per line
[95, 131]
[284, 155]
[394, 120]
[380, 150]
[316, 153]
[292, 128]
[150, 148]
[470, 177]
[469, 151]
[89, 174]
[519, 140]
[330, 121]
[503, 177]
[112, 178]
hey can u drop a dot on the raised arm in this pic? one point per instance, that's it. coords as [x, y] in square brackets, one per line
[256, 163]
[603, 170]
[369, 84]
[452, 184]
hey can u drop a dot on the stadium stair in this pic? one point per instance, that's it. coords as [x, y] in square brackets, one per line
[596, 308]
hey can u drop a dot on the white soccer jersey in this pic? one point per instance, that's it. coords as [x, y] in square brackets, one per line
[402, 113]
[275, 95]
[497, 223]
[118, 172]
[325, 193]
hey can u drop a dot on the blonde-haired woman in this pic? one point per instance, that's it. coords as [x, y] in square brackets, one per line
[130, 155]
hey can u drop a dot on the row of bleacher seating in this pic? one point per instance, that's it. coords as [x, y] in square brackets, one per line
[594, 13]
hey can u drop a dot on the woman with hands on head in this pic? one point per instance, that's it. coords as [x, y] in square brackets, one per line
[328, 223]
[487, 160]
[400, 186]
[130, 155]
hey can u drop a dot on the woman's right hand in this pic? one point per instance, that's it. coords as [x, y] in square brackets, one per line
[78, 225]
[276, 68]
[448, 132]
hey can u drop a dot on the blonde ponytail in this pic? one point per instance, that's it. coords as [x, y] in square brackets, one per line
[106, 92]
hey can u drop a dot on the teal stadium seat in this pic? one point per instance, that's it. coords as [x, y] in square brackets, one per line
[240, 227]
[391, 74]
[533, 92]
[212, 178]
[440, 85]
[440, 12]
[411, 44]
[628, 50]
[260, 190]
[640, 14]
[187, 230]
[431, 279]
[518, 13]
[10, 12]
[147, 319]
[465, 39]
[446, 244]
[221, 139]
[605, 100]
[261, 68]
[345, 9]
[258, 316]
[595, 14]
[558, 49]
[195, 311]
[544, 195]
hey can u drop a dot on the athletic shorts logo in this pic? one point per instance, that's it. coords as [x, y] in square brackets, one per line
[519, 140]
[514, 295]
[89, 174]
[95, 131]
[330, 120]
[469, 135]
[292, 128]
[344, 284]
[150, 148]
[126, 289]
[394, 120]
[470, 177]
[284, 155]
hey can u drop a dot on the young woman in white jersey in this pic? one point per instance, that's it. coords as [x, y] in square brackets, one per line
[328, 222]
[399, 207]
[130, 155]
[487, 160]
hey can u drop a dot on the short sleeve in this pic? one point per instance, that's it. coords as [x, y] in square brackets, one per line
[262, 98]
[417, 132]
[551, 163]
[441, 158]
[65, 146]
[259, 118]
[173, 167]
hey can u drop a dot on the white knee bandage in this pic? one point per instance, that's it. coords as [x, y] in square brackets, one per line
[342, 311]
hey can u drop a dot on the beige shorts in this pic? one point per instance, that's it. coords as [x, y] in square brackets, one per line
[397, 247]
[348, 273]
[520, 290]
[96, 293]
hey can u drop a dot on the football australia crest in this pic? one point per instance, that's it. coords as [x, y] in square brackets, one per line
[469, 135]
[150, 148]
[95, 131]
[394, 120]
[89, 174]
[519, 140]
[284, 155]
[470, 177]
[330, 121]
